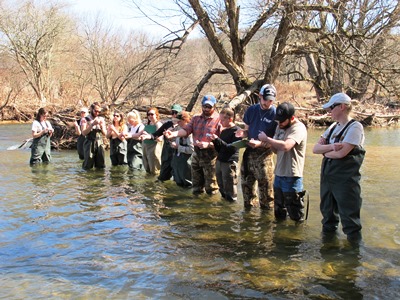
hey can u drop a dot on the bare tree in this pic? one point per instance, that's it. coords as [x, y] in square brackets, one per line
[122, 68]
[31, 33]
[338, 39]
[344, 44]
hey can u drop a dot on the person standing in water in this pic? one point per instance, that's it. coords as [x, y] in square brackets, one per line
[41, 134]
[93, 127]
[289, 143]
[81, 139]
[341, 146]
[257, 168]
[135, 130]
[116, 132]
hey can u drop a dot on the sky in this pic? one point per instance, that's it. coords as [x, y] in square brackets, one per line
[120, 12]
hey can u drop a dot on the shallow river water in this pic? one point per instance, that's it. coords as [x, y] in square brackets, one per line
[115, 234]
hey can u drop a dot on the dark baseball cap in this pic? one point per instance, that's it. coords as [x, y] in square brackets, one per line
[284, 111]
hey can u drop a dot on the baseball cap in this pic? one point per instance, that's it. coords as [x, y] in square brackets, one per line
[176, 107]
[268, 91]
[84, 109]
[284, 111]
[209, 99]
[337, 98]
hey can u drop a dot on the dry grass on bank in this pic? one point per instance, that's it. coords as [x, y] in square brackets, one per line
[300, 94]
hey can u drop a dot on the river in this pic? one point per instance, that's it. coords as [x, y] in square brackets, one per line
[66, 233]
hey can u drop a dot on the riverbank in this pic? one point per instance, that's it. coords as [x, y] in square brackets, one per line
[309, 112]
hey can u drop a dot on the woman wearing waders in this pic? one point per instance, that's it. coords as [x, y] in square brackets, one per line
[81, 139]
[342, 148]
[93, 127]
[118, 145]
[41, 133]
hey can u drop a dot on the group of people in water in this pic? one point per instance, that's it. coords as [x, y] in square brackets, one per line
[202, 153]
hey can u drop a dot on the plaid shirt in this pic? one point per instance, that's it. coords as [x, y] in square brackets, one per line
[200, 125]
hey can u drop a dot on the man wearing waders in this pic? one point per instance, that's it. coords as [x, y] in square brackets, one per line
[204, 157]
[342, 148]
[93, 127]
[257, 162]
[289, 143]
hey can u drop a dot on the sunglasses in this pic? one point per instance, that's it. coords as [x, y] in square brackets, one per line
[207, 106]
[116, 115]
[334, 105]
[150, 114]
[98, 111]
[174, 112]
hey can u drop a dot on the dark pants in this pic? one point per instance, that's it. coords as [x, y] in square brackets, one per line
[166, 159]
[79, 146]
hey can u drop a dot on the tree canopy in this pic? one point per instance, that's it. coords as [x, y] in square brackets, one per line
[336, 45]
[213, 46]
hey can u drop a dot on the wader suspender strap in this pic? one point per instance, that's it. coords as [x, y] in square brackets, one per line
[337, 138]
[44, 124]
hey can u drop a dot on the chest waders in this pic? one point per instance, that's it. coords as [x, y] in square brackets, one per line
[181, 166]
[341, 190]
[135, 153]
[93, 150]
[118, 152]
[40, 149]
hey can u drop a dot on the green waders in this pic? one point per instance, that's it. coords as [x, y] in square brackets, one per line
[341, 192]
[118, 152]
[93, 150]
[135, 154]
[40, 150]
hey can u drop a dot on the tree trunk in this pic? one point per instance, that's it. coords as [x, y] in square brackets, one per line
[200, 86]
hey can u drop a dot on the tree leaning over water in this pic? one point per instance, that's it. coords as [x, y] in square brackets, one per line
[335, 45]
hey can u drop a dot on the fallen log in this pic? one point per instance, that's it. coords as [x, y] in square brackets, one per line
[388, 117]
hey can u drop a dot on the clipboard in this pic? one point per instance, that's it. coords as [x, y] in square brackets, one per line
[240, 144]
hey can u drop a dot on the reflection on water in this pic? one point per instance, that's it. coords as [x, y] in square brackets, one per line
[113, 233]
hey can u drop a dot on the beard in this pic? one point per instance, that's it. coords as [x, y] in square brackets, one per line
[287, 125]
[208, 112]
